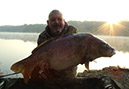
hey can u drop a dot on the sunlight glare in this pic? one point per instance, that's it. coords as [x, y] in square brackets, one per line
[109, 27]
[112, 22]
[119, 59]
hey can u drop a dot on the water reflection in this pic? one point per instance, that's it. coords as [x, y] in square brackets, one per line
[15, 47]
[12, 51]
[120, 43]
[119, 59]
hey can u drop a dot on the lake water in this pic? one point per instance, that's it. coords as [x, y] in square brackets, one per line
[16, 46]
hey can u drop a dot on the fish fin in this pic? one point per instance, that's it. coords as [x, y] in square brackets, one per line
[94, 61]
[87, 65]
[23, 67]
[19, 68]
[41, 45]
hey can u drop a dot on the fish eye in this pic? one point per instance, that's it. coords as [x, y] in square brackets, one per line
[104, 45]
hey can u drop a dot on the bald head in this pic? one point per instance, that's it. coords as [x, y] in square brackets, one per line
[56, 22]
[55, 12]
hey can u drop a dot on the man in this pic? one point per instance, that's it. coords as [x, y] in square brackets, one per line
[56, 27]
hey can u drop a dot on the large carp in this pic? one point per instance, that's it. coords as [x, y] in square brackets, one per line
[64, 53]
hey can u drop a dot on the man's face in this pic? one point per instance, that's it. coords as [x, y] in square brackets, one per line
[56, 23]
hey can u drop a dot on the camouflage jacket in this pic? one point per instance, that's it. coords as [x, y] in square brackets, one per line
[45, 35]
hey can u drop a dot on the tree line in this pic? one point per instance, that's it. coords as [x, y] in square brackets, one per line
[94, 27]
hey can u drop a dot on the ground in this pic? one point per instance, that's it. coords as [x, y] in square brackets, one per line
[119, 75]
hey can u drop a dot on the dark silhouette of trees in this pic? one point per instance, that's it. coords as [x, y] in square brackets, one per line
[94, 27]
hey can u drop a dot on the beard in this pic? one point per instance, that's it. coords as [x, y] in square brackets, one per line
[57, 29]
[57, 32]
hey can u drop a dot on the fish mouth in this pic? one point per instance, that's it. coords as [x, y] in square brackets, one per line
[112, 53]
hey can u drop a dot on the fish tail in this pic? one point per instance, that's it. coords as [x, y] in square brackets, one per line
[18, 67]
[21, 67]
[25, 75]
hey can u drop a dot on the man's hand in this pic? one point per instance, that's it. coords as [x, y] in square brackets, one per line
[44, 66]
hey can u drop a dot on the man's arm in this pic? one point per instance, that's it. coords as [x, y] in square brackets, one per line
[43, 37]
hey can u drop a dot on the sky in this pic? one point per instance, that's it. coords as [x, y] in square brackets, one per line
[19, 12]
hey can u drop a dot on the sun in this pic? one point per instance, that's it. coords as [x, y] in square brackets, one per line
[110, 27]
[112, 22]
